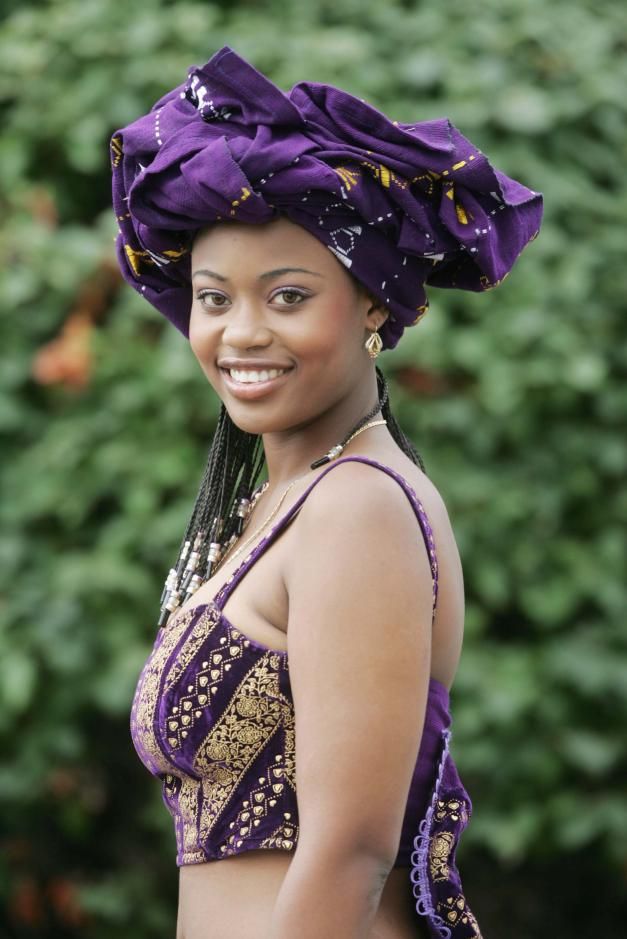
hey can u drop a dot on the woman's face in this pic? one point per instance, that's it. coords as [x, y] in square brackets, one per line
[272, 297]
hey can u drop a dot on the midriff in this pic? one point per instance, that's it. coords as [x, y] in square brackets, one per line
[235, 897]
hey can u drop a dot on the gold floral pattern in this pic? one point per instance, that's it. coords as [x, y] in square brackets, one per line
[440, 848]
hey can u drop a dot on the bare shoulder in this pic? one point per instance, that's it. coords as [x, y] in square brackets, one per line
[358, 504]
[358, 537]
[358, 488]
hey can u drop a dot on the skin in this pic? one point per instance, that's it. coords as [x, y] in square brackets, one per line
[360, 645]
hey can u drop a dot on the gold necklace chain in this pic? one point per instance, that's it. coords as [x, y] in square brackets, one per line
[283, 495]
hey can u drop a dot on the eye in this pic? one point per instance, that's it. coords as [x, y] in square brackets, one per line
[210, 293]
[292, 292]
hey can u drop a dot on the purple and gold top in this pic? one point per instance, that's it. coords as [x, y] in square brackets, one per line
[213, 719]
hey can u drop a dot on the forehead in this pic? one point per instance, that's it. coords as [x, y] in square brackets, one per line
[279, 243]
[280, 236]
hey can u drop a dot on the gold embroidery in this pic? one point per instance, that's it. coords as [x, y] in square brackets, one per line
[235, 202]
[198, 696]
[427, 183]
[440, 849]
[116, 150]
[454, 808]
[462, 218]
[384, 175]
[349, 177]
[455, 910]
[202, 629]
[285, 837]
[263, 798]
[188, 815]
[145, 701]
[250, 720]
[135, 257]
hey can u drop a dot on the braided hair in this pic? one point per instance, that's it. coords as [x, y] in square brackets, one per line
[234, 463]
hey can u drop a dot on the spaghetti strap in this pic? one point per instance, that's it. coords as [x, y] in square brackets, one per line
[427, 532]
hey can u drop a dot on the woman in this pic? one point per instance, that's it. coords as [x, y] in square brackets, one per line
[290, 237]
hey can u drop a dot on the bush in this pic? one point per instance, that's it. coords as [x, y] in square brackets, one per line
[515, 398]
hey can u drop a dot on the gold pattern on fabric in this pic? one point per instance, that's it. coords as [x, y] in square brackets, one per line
[460, 212]
[188, 797]
[117, 151]
[384, 175]
[454, 808]
[203, 627]
[454, 909]
[189, 706]
[285, 837]
[136, 257]
[146, 696]
[235, 202]
[254, 714]
[349, 177]
[263, 798]
[440, 847]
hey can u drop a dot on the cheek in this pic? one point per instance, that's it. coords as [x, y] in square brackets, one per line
[332, 335]
[201, 335]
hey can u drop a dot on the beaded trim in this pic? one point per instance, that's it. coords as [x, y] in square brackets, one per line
[419, 857]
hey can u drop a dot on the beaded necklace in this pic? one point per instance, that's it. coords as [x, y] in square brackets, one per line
[335, 451]
[183, 580]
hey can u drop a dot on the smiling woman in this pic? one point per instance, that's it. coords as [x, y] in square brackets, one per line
[294, 320]
[305, 758]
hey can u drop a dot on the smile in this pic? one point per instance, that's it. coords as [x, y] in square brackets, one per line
[248, 376]
[248, 384]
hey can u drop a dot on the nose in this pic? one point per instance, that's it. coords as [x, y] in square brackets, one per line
[246, 327]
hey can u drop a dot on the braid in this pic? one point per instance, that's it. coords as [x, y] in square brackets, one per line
[394, 427]
[234, 463]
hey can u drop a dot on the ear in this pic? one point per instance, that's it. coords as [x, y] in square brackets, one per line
[377, 312]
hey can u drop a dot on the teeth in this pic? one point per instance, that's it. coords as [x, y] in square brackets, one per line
[248, 376]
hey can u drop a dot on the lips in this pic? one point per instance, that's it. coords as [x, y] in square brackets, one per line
[254, 364]
[250, 390]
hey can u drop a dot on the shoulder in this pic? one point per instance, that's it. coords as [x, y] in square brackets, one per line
[358, 520]
[371, 502]
[357, 502]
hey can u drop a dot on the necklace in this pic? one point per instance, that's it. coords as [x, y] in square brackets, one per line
[204, 547]
[333, 453]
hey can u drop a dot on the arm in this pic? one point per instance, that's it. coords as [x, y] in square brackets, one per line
[359, 642]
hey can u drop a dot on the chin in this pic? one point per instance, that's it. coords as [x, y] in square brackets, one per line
[251, 424]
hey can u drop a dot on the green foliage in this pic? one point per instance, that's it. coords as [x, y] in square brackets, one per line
[515, 398]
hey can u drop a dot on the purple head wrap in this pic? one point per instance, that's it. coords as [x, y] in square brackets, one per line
[400, 205]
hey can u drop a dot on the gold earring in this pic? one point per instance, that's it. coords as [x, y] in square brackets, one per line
[374, 344]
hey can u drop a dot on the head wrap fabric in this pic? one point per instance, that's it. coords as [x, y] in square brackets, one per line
[400, 205]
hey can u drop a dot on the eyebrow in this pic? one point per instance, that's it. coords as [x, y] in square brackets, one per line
[267, 276]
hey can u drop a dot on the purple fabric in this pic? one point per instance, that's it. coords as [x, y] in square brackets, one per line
[400, 205]
[213, 718]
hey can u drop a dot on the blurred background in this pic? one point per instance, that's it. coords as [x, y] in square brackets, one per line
[516, 400]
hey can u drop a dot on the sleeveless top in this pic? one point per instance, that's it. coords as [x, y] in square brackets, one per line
[213, 719]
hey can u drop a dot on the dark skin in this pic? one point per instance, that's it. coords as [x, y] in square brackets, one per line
[318, 330]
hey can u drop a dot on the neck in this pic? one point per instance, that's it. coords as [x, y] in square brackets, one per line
[290, 453]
